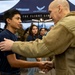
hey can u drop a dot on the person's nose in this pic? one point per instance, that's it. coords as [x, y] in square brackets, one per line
[20, 20]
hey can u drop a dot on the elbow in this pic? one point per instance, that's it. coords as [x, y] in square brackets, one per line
[13, 65]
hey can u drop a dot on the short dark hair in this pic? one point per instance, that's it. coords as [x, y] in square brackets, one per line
[10, 14]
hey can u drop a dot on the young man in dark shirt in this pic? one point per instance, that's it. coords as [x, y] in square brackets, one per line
[9, 62]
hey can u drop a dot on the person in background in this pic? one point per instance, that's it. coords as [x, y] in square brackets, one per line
[43, 32]
[33, 35]
[25, 35]
[59, 42]
[10, 63]
[19, 33]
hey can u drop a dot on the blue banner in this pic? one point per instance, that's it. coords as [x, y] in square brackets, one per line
[29, 6]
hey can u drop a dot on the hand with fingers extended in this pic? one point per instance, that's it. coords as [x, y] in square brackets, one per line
[6, 44]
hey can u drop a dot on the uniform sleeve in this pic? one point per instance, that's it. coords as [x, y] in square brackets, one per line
[54, 43]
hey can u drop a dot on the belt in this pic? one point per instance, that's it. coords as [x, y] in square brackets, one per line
[3, 73]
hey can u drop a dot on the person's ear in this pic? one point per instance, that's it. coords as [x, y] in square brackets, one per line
[59, 8]
[8, 20]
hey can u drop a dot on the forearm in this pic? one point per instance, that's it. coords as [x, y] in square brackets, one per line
[31, 49]
[55, 42]
[24, 64]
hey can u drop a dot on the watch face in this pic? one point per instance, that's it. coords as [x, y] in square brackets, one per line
[72, 1]
[7, 4]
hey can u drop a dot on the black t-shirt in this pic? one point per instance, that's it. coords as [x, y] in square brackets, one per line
[4, 64]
